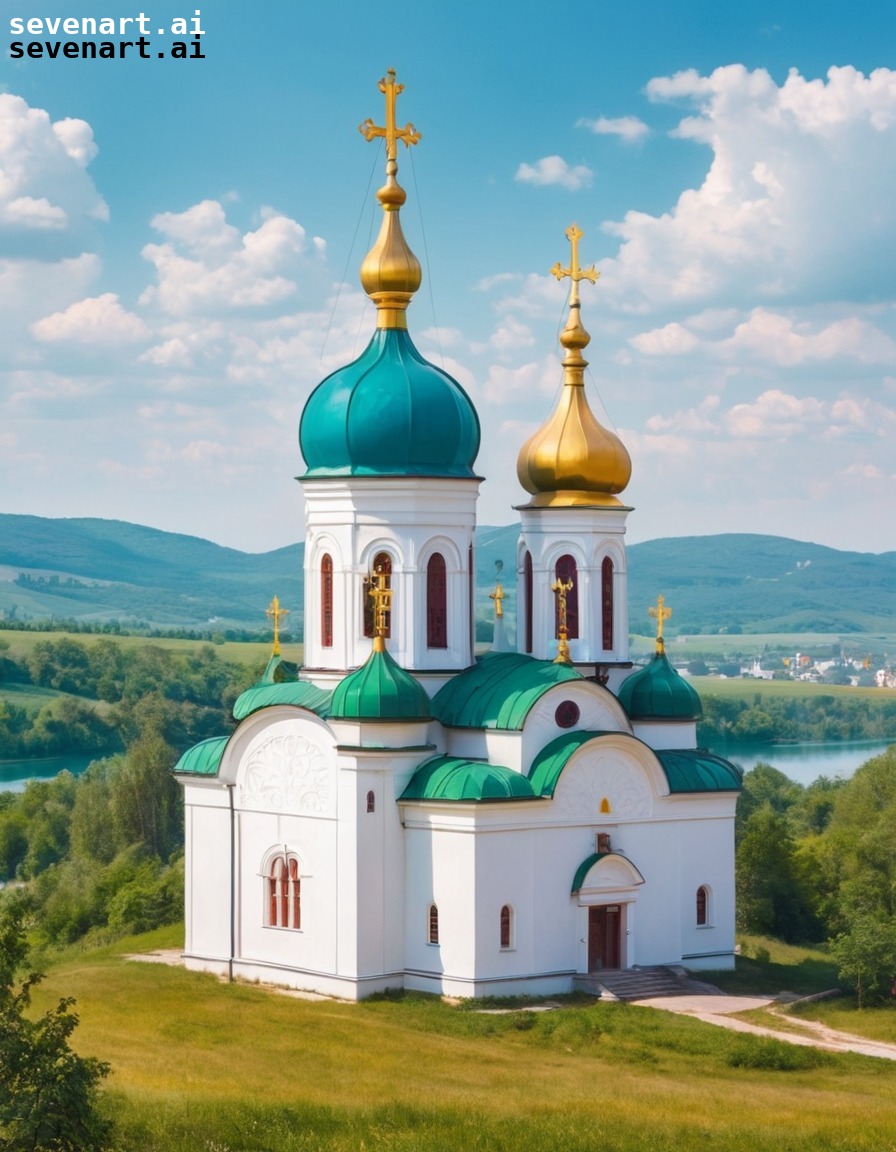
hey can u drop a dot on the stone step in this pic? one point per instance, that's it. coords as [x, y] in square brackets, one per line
[639, 983]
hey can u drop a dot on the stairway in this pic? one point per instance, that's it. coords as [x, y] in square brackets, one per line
[639, 983]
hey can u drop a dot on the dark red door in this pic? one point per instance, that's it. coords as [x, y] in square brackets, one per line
[604, 935]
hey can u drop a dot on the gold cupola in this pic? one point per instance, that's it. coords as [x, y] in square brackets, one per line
[572, 460]
[390, 274]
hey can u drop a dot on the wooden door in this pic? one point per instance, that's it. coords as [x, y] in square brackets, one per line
[604, 936]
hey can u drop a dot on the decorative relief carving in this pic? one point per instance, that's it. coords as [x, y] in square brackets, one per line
[288, 774]
[596, 775]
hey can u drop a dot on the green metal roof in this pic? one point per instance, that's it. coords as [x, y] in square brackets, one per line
[389, 413]
[203, 759]
[553, 758]
[693, 770]
[379, 690]
[657, 692]
[583, 869]
[453, 778]
[498, 691]
[299, 693]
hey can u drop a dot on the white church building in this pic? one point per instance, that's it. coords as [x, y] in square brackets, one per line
[399, 813]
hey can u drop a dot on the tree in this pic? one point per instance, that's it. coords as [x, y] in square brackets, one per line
[865, 957]
[48, 1093]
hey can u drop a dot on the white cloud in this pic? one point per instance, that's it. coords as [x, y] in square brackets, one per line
[555, 170]
[507, 384]
[206, 265]
[797, 197]
[43, 180]
[628, 128]
[670, 340]
[511, 335]
[96, 320]
[779, 340]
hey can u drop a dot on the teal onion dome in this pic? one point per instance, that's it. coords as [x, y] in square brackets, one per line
[389, 413]
[657, 692]
[379, 690]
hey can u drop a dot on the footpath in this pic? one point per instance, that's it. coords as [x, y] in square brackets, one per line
[721, 1010]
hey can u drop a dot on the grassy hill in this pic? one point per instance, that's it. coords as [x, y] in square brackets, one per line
[100, 570]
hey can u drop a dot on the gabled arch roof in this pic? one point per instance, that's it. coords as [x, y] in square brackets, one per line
[498, 691]
[299, 693]
[203, 759]
[452, 778]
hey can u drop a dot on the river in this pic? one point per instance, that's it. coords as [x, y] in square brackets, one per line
[801, 762]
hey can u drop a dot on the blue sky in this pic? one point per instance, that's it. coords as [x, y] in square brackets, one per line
[180, 240]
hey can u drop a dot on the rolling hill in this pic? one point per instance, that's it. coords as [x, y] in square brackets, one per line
[101, 570]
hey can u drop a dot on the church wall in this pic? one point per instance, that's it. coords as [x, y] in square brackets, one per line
[207, 854]
[667, 735]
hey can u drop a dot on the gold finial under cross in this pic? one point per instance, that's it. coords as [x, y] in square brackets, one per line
[560, 589]
[275, 612]
[574, 272]
[382, 602]
[498, 597]
[661, 613]
[370, 131]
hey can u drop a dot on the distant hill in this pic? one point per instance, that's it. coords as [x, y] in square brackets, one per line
[100, 570]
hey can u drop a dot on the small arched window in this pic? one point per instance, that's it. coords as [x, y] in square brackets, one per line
[506, 926]
[606, 604]
[432, 927]
[382, 563]
[565, 571]
[326, 600]
[284, 893]
[702, 906]
[371, 801]
[527, 590]
[436, 602]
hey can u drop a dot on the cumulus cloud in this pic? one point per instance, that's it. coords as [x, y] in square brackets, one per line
[779, 340]
[670, 340]
[627, 128]
[206, 265]
[797, 197]
[44, 185]
[555, 170]
[505, 384]
[96, 320]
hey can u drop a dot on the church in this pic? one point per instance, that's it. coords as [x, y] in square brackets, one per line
[402, 813]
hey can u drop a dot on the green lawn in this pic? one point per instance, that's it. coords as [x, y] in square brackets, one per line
[202, 1065]
[742, 689]
[21, 643]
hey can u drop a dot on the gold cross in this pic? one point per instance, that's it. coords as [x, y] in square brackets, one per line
[660, 614]
[382, 601]
[275, 612]
[498, 597]
[559, 588]
[370, 131]
[574, 272]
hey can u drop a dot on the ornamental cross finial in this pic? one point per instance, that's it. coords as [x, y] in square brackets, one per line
[661, 613]
[574, 272]
[560, 589]
[275, 612]
[498, 594]
[370, 131]
[382, 602]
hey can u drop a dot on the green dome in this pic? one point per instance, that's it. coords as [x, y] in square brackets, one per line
[389, 413]
[379, 690]
[657, 692]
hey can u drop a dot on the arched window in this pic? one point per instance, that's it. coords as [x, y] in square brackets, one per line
[326, 600]
[702, 906]
[436, 602]
[382, 563]
[527, 591]
[432, 928]
[565, 570]
[606, 603]
[506, 926]
[371, 801]
[284, 891]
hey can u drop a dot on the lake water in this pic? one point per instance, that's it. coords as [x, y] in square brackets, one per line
[801, 762]
[806, 762]
[15, 774]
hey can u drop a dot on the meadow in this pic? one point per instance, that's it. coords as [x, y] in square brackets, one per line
[202, 1066]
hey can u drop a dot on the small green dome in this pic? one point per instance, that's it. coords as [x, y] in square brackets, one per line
[379, 690]
[389, 413]
[657, 692]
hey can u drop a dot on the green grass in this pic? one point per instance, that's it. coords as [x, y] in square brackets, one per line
[29, 696]
[767, 967]
[22, 643]
[202, 1065]
[741, 689]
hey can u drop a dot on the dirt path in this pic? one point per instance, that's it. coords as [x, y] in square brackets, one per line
[719, 1010]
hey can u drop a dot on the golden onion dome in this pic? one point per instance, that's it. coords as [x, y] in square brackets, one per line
[572, 459]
